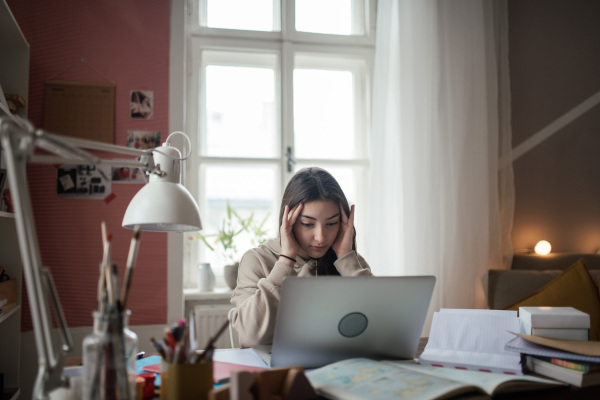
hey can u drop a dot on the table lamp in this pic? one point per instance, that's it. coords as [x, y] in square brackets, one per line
[162, 205]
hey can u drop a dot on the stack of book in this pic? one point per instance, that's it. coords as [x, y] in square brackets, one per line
[576, 373]
[554, 322]
[570, 361]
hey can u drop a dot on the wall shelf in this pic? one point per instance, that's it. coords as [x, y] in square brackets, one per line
[14, 79]
[9, 311]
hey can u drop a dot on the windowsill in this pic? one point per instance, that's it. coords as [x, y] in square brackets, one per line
[217, 294]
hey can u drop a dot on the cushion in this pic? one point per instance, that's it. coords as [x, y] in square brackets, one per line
[506, 287]
[575, 288]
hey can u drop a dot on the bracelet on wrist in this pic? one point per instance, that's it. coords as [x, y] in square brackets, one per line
[289, 258]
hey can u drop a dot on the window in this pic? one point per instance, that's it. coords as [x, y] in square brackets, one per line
[273, 86]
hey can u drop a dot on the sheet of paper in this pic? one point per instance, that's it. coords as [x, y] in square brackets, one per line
[238, 356]
[478, 311]
[520, 345]
[583, 347]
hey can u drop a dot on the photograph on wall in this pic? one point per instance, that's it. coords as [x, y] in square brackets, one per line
[128, 175]
[83, 181]
[143, 140]
[141, 104]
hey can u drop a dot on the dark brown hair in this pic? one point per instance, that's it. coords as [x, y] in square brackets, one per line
[310, 184]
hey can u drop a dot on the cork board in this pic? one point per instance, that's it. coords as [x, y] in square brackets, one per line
[80, 110]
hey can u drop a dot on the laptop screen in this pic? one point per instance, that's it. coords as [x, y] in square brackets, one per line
[326, 319]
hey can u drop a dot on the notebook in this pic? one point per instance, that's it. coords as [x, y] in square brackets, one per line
[327, 319]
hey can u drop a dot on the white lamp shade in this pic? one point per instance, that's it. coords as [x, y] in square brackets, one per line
[163, 207]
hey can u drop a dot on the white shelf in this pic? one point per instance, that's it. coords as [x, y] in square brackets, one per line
[14, 79]
[9, 311]
[217, 294]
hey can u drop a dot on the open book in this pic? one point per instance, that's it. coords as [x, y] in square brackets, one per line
[362, 379]
[473, 340]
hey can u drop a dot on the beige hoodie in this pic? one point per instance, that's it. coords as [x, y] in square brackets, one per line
[260, 275]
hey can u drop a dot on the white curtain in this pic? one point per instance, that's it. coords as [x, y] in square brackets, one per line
[441, 200]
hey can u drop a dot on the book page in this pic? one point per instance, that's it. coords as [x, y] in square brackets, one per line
[489, 382]
[363, 379]
[472, 339]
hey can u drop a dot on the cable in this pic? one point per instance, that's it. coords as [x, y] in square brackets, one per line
[189, 144]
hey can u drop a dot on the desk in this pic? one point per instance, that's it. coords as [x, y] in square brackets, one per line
[568, 393]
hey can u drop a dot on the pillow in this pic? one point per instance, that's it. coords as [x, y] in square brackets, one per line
[575, 288]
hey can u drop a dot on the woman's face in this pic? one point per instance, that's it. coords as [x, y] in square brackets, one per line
[317, 227]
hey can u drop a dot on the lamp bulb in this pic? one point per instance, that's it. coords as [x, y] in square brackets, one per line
[543, 247]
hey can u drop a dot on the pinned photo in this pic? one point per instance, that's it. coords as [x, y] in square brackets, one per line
[141, 105]
[128, 175]
[143, 140]
[83, 181]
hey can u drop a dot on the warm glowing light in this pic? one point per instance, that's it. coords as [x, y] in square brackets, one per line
[543, 247]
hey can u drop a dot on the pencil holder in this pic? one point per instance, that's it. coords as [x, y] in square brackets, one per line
[100, 369]
[186, 381]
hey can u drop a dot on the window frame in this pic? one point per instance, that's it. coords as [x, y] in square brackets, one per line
[284, 44]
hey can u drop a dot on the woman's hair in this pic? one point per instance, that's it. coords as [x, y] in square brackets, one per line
[310, 184]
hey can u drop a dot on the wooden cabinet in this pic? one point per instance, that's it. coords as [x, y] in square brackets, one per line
[14, 79]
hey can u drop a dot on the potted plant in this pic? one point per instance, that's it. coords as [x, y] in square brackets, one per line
[224, 240]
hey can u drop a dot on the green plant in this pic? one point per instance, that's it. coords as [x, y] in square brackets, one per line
[232, 226]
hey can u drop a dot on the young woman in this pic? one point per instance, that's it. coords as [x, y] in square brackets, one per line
[316, 237]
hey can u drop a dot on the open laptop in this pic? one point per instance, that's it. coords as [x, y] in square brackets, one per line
[327, 319]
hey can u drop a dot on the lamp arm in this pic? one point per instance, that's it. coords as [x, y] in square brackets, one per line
[13, 139]
[19, 141]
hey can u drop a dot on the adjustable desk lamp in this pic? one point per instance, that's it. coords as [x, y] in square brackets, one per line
[163, 205]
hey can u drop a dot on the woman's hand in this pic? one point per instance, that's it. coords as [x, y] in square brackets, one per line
[289, 244]
[345, 237]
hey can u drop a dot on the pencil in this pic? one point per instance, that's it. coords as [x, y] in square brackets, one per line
[131, 259]
[210, 346]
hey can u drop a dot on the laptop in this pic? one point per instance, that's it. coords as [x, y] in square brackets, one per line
[327, 319]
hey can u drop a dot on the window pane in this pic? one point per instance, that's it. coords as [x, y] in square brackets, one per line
[337, 17]
[255, 15]
[323, 114]
[248, 190]
[240, 112]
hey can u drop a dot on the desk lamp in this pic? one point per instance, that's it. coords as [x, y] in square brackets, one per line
[163, 205]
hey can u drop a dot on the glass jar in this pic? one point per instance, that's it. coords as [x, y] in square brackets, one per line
[96, 347]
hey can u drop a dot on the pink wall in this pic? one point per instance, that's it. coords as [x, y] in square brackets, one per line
[126, 41]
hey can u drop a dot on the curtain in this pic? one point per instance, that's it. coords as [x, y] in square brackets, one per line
[441, 191]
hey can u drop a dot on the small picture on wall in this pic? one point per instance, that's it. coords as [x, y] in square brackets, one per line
[83, 181]
[141, 105]
[143, 140]
[128, 175]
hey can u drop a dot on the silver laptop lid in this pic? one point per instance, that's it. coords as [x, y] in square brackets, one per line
[327, 319]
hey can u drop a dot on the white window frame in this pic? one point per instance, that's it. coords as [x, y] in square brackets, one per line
[284, 44]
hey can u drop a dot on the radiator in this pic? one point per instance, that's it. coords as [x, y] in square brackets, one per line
[209, 318]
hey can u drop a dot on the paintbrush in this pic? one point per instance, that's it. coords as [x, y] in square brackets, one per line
[106, 241]
[131, 259]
